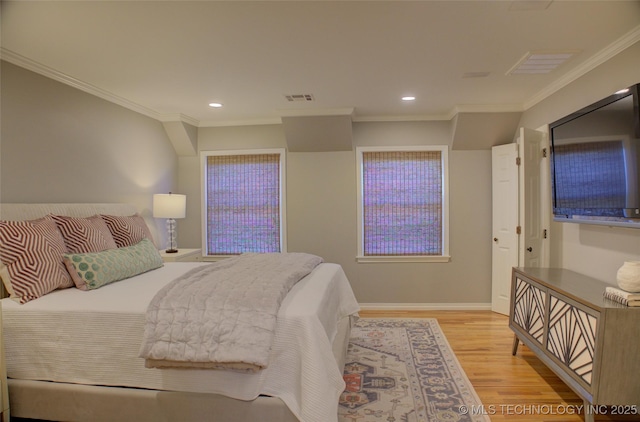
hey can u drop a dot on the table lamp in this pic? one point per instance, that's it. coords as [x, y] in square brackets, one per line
[170, 206]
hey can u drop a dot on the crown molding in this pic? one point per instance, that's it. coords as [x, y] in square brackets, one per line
[405, 118]
[50, 73]
[43, 70]
[602, 56]
[347, 111]
[481, 108]
[488, 108]
[251, 122]
[179, 117]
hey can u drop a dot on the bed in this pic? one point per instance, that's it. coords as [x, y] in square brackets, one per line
[73, 355]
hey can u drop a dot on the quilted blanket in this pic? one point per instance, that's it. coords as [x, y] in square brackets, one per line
[222, 315]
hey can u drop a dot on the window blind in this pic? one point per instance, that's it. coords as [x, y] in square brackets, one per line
[402, 203]
[243, 203]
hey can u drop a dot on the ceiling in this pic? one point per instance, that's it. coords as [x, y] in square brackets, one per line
[170, 59]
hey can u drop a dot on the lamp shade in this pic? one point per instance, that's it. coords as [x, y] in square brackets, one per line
[169, 205]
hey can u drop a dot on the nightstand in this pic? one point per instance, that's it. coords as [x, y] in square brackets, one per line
[4, 391]
[183, 255]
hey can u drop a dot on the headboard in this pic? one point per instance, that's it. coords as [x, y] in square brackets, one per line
[33, 211]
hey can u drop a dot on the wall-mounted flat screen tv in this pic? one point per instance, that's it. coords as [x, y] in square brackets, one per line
[595, 162]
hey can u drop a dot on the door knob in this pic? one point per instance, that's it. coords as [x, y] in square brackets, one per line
[530, 249]
[495, 239]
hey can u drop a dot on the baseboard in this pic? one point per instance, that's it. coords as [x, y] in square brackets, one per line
[425, 306]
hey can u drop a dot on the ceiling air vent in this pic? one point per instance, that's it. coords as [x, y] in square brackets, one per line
[300, 98]
[536, 62]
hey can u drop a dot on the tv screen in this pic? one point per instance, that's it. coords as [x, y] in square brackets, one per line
[595, 157]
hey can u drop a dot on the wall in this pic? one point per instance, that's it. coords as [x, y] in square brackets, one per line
[594, 250]
[321, 212]
[60, 144]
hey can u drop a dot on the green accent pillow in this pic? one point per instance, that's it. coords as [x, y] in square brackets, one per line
[96, 269]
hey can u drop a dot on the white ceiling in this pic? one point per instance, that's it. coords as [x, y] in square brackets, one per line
[169, 59]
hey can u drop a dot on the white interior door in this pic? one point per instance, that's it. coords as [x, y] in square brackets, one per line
[504, 255]
[532, 201]
[520, 204]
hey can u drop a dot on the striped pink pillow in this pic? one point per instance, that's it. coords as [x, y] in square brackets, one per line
[129, 230]
[31, 252]
[85, 235]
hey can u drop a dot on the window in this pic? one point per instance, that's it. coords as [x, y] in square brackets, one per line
[243, 201]
[403, 204]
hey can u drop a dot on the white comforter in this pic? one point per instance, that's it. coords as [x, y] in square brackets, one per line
[222, 315]
[94, 338]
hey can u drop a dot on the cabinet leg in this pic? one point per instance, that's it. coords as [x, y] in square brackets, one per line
[516, 342]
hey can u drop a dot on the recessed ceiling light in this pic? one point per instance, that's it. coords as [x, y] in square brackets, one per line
[408, 98]
[215, 105]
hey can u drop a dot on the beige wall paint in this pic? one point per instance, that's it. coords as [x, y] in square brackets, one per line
[60, 144]
[594, 250]
[321, 211]
[189, 169]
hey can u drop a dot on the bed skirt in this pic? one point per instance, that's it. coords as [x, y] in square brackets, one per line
[75, 402]
[78, 403]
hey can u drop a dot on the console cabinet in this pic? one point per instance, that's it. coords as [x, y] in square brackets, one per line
[591, 343]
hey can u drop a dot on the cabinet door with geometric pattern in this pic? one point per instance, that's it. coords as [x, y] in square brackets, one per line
[572, 337]
[528, 309]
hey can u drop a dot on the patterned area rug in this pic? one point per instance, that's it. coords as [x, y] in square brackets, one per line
[403, 370]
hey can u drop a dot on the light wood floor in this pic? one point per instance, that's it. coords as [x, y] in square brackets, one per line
[510, 387]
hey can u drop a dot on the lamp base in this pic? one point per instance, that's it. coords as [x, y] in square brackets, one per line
[171, 251]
